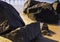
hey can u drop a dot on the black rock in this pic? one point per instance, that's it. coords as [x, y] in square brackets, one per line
[9, 17]
[42, 11]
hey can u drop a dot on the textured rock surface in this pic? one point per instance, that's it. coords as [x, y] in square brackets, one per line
[42, 11]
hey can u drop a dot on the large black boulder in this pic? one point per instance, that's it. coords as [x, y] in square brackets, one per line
[9, 18]
[28, 33]
[11, 14]
[43, 12]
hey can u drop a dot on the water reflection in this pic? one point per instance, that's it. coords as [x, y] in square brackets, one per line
[15, 2]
